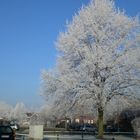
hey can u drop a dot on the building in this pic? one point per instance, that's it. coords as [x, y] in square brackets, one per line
[86, 119]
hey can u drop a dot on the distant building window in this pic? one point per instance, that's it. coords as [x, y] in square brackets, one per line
[89, 121]
[77, 120]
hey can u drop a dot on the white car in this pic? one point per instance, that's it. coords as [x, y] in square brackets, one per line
[14, 126]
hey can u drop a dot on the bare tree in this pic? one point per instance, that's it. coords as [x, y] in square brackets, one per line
[98, 60]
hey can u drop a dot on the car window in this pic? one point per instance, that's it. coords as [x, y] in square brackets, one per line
[5, 130]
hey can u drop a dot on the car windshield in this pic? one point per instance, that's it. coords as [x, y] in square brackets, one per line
[5, 130]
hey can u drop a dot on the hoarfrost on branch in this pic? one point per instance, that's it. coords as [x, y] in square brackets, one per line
[98, 59]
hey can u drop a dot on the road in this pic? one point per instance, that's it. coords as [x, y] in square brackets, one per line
[85, 137]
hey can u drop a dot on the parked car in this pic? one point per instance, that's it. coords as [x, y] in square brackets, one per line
[15, 126]
[110, 128]
[6, 133]
[89, 128]
[74, 127]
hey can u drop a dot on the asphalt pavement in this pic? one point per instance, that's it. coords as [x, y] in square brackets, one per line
[85, 137]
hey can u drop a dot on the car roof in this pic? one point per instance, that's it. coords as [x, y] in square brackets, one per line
[4, 125]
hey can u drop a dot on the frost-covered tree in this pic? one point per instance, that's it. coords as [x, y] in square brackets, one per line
[136, 124]
[19, 112]
[115, 107]
[98, 60]
[46, 113]
[5, 110]
[53, 90]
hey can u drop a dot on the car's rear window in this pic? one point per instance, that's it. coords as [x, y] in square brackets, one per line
[5, 130]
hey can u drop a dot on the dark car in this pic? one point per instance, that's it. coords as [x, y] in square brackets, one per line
[6, 133]
[110, 128]
[74, 127]
[88, 128]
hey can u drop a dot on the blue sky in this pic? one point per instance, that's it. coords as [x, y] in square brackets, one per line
[28, 30]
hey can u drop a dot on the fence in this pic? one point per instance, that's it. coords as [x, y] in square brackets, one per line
[57, 135]
[22, 136]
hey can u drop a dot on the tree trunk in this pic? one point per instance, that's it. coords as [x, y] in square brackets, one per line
[100, 123]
